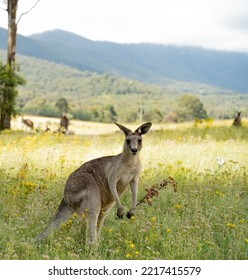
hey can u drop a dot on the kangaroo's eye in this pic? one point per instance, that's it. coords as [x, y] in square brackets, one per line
[140, 141]
[128, 141]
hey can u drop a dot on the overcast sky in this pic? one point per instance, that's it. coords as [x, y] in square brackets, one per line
[217, 24]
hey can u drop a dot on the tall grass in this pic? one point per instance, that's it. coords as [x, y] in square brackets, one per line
[205, 219]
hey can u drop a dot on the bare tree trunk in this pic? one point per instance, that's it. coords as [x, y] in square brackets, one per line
[5, 122]
[12, 29]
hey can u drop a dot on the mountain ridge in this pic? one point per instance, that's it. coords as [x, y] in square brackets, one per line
[145, 62]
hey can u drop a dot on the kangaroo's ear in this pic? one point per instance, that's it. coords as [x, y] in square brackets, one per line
[144, 128]
[126, 130]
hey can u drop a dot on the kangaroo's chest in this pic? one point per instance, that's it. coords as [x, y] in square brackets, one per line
[125, 180]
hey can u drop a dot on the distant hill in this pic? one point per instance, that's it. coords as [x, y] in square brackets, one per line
[150, 63]
[103, 97]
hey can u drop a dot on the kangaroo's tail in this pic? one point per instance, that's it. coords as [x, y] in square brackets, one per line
[62, 214]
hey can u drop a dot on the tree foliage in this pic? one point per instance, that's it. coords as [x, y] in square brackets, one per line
[9, 80]
[62, 105]
[190, 107]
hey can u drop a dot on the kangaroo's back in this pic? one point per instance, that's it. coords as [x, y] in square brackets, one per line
[97, 171]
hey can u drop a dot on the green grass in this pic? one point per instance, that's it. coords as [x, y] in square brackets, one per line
[205, 219]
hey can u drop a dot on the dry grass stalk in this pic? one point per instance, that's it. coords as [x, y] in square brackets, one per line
[154, 190]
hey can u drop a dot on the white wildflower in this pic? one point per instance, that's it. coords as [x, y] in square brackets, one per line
[220, 161]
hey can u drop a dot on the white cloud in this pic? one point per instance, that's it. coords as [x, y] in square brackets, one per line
[219, 24]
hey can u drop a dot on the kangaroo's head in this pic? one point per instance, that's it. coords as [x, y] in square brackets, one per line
[133, 141]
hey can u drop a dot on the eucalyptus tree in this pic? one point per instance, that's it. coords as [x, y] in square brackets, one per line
[8, 91]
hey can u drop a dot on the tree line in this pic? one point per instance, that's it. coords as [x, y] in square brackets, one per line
[188, 107]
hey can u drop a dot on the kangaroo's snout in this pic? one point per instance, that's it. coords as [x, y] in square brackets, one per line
[134, 151]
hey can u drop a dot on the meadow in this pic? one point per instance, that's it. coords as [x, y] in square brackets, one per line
[205, 219]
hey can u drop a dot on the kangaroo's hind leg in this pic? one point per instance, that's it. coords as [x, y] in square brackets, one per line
[87, 202]
[93, 211]
[101, 218]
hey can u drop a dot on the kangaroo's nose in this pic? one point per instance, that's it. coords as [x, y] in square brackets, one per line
[134, 150]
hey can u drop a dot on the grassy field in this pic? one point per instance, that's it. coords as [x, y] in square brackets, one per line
[205, 219]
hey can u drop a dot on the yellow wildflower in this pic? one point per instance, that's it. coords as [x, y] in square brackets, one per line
[168, 230]
[132, 218]
[153, 219]
[154, 235]
[74, 216]
[230, 225]
[178, 206]
[67, 224]
[131, 245]
[128, 255]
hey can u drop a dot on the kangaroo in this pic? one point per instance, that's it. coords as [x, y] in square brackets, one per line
[64, 122]
[237, 120]
[95, 186]
[28, 123]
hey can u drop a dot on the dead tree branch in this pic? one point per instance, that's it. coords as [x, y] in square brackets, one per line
[25, 13]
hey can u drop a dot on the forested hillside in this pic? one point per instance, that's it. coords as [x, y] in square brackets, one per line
[106, 97]
[150, 63]
[91, 96]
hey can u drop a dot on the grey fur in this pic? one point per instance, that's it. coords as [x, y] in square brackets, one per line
[94, 187]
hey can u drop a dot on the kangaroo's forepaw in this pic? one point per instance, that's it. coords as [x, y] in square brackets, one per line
[120, 213]
[130, 214]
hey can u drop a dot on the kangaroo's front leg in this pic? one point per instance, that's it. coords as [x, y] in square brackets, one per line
[113, 190]
[134, 189]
